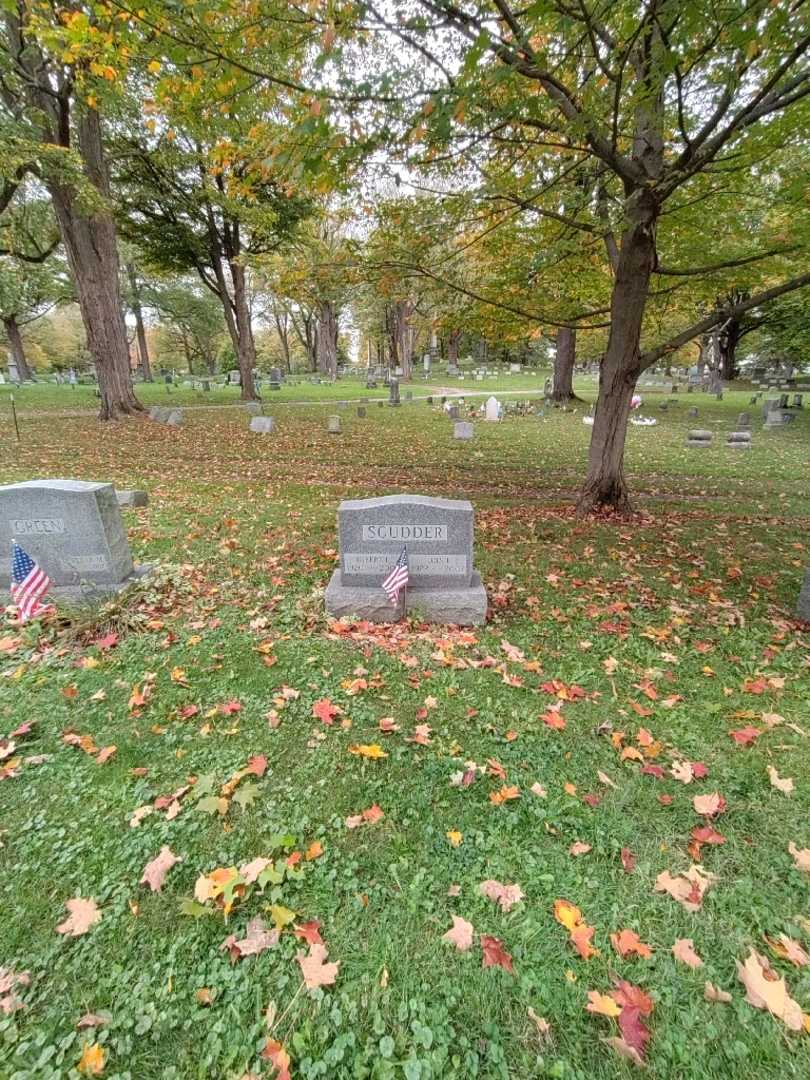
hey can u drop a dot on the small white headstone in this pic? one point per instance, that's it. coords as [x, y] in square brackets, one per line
[333, 425]
[492, 410]
[462, 430]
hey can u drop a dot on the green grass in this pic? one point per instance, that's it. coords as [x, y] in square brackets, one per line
[694, 597]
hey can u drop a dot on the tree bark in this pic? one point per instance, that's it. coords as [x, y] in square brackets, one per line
[140, 330]
[404, 336]
[728, 338]
[563, 385]
[244, 344]
[605, 484]
[326, 336]
[15, 344]
[92, 254]
[452, 346]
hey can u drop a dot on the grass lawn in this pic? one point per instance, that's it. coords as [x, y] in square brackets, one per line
[616, 652]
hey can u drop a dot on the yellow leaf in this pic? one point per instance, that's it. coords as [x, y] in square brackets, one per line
[602, 1004]
[154, 66]
[281, 916]
[368, 750]
[455, 837]
[91, 1062]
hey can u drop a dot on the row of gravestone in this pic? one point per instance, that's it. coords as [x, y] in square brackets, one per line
[74, 530]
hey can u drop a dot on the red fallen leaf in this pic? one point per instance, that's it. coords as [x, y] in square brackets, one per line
[640, 709]
[294, 858]
[554, 720]
[109, 641]
[257, 765]
[230, 707]
[699, 770]
[755, 686]
[745, 736]
[309, 931]
[635, 1005]
[187, 711]
[653, 770]
[494, 768]
[278, 1057]
[494, 954]
[665, 800]
[626, 942]
[591, 800]
[23, 729]
[628, 860]
[325, 711]
[705, 834]
[388, 726]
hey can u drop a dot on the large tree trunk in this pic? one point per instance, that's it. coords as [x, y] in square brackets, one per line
[92, 254]
[452, 346]
[605, 484]
[563, 387]
[244, 344]
[326, 337]
[728, 338]
[140, 330]
[15, 344]
[404, 335]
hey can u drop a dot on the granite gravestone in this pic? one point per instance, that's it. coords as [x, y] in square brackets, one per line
[462, 430]
[739, 440]
[393, 392]
[262, 425]
[333, 425]
[74, 530]
[132, 500]
[699, 440]
[438, 534]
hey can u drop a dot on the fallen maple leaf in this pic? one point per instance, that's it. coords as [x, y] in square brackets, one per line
[368, 817]
[325, 711]
[257, 765]
[682, 770]
[155, 872]
[801, 857]
[314, 851]
[494, 954]
[278, 1057]
[105, 754]
[788, 949]
[765, 991]
[82, 915]
[579, 848]
[91, 1020]
[368, 750]
[684, 950]
[688, 888]
[538, 790]
[602, 1004]
[745, 736]
[387, 725]
[782, 783]
[460, 934]
[309, 932]
[454, 836]
[714, 993]
[709, 805]
[507, 792]
[315, 969]
[581, 937]
[624, 1049]
[505, 895]
[628, 860]
[626, 942]
[91, 1063]
[257, 939]
[567, 913]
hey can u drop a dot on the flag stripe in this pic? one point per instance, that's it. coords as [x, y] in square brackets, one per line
[29, 583]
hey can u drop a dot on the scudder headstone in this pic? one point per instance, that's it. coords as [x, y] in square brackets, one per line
[73, 529]
[438, 534]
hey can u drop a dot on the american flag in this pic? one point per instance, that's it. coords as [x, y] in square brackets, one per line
[29, 583]
[398, 578]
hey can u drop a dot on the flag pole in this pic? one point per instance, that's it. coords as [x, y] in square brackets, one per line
[14, 415]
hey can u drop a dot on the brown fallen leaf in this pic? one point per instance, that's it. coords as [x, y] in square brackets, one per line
[155, 872]
[505, 895]
[82, 914]
[460, 934]
[494, 954]
[782, 783]
[765, 991]
[688, 888]
[541, 1025]
[788, 949]
[624, 1049]
[257, 938]
[684, 950]
[579, 848]
[91, 1020]
[315, 969]
[714, 993]
[801, 857]
[204, 996]
[626, 942]
[105, 754]
[711, 805]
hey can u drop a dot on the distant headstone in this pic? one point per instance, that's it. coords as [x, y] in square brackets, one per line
[175, 418]
[803, 603]
[739, 440]
[132, 500]
[380, 404]
[361, 412]
[514, 369]
[700, 440]
[333, 425]
[663, 406]
[453, 412]
[73, 529]
[254, 407]
[438, 535]
[409, 395]
[235, 378]
[262, 425]
[429, 399]
[692, 412]
[206, 385]
[719, 395]
[343, 404]
[797, 401]
[462, 430]
[492, 409]
[744, 420]
[393, 392]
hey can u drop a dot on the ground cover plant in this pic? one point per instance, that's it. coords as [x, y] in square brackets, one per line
[239, 840]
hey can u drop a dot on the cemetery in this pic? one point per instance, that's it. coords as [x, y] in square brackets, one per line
[405, 636]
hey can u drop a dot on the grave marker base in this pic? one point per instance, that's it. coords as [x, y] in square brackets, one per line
[465, 606]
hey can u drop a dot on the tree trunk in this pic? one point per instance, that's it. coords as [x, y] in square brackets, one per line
[404, 336]
[15, 344]
[728, 338]
[452, 346]
[563, 386]
[244, 344]
[605, 484]
[326, 338]
[140, 330]
[92, 254]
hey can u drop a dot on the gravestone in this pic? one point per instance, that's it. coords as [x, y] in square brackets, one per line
[74, 530]
[462, 430]
[206, 385]
[699, 440]
[131, 500]
[803, 603]
[797, 401]
[492, 409]
[739, 440]
[275, 378]
[438, 534]
[263, 425]
[254, 408]
[361, 412]
[744, 420]
[159, 413]
[235, 378]
[380, 404]
[393, 392]
[409, 395]
[692, 412]
[453, 412]
[333, 425]
[175, 418]
[663, 406]
[429, 399]
[343, 404]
